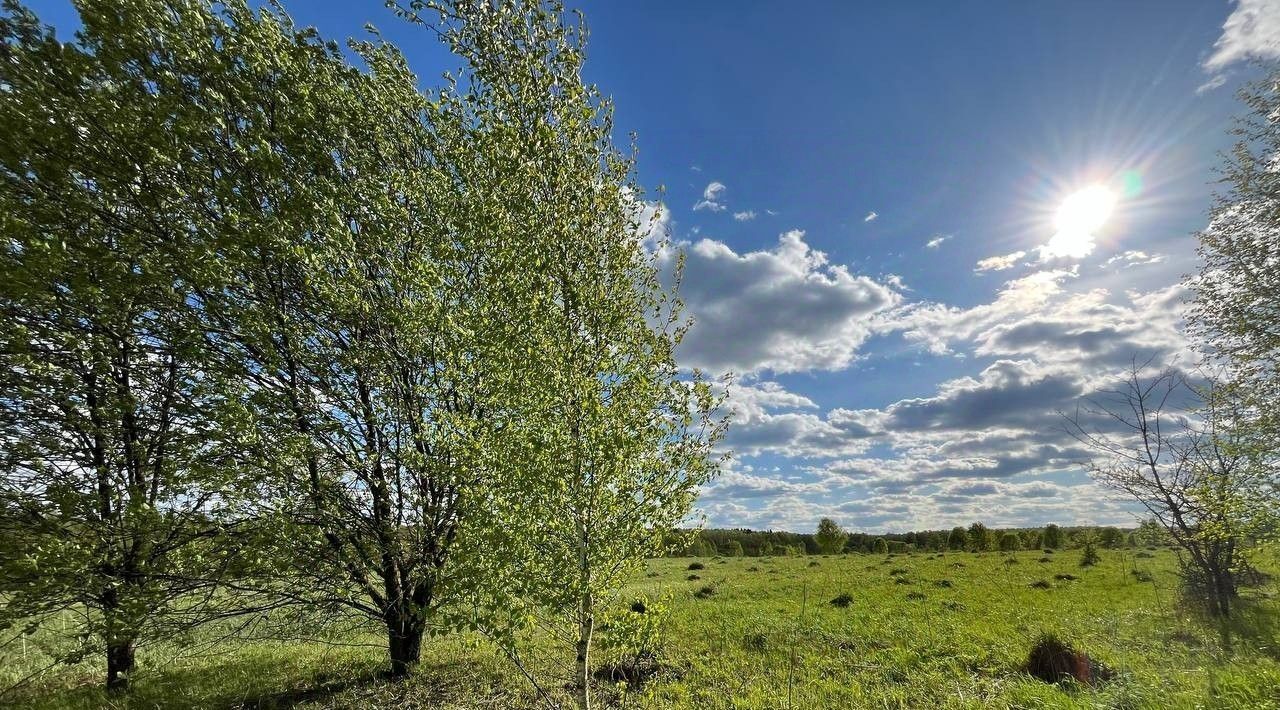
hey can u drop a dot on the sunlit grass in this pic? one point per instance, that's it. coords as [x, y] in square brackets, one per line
[954, 635]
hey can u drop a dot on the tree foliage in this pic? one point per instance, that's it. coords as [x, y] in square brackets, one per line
[111, 476]
[830, 536]
[1235, 312]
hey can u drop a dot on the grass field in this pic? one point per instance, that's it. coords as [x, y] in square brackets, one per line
[923, 630]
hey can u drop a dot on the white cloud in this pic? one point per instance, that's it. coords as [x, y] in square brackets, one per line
[771, 213]
[871, 217]
[936, 326]
[988, 446]
[711, 197]
[1251, 31]
[937, 241]
[746, 216]
[1130, 259]
[999, 263]
[785, 309]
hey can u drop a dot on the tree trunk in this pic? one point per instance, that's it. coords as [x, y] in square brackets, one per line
[120, 658]
[1224, 589]
[404, 641]
[586, 625]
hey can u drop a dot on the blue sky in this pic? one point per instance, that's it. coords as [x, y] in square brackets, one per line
[866, 192]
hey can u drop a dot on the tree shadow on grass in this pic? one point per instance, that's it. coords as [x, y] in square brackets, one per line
[314, 694]
[1255, 622]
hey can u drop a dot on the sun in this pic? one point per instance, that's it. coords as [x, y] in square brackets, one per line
[1080, 215]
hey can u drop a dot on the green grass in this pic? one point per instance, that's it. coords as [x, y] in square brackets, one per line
[770, 638]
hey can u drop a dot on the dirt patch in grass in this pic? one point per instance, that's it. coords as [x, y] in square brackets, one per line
[1053, 661]
[842, 601]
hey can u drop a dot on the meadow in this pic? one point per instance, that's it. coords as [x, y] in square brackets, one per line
[946, 630]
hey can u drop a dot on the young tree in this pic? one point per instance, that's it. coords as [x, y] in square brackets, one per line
[957, 539]
[1032, 539]
[1150, 533]
[979, 538]
[110, 478]
[1009, 542]
[1089, 553]
[1186, 455]
[614, 440]
[880, 547]
[1052, 536]
[1110, 537]
[830, 536]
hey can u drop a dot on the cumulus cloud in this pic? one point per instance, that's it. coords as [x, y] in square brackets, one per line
[711, 198]
[784, 309]
[999, 263]
[1251, 31]
[936, 326]
[768, 419]
[1007, 393]
[988, 446]
[745, 216]
[937, 241]
[871, 217]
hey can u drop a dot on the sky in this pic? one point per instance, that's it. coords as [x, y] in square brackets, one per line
[916, 232]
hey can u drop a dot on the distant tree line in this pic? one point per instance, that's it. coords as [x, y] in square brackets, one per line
[829, 538]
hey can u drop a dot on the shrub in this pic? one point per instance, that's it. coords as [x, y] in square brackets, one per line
[1045, 559]
[755, 641]
[842, 601]
[1141, 575]
[944, 583]
[915, 597]
[692, 578]
[896, 571]
[813, 563]
[1040, 584]
[952, 605]
[695, 565]
[1010, 561]
[753, 568]
[901, 580]
[1048, 550]
[1009, 542]
[631, 641]
[1089, 555]
[880, 547]
[1064, 577]
[706, 591]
